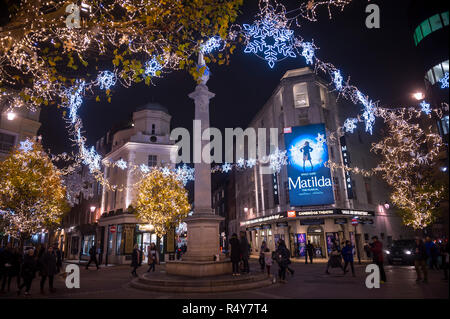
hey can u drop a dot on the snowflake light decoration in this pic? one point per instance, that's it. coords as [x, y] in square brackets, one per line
[321, 140]
[251, 162]
[210, 45]
[121, 164]
[106, 79]
[277, 159]
[185, 174]
[144, 168]
[273, 27]
[444, 81]
[226, 167]
[152, 67]
[337, 79]
[368, 115]
[26, 146]
[91, 158]
[166, 171]
[241, 163]
[350, 125]
[308, 52]
[296, 153]
[425, 107]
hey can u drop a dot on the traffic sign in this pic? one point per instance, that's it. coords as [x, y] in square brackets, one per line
[355, 221]
[112, 229]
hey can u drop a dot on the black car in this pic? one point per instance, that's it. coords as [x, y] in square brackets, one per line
[401, 251]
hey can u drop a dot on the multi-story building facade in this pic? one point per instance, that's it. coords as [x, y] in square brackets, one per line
[146, 141]
[263, 204]
[429, 25]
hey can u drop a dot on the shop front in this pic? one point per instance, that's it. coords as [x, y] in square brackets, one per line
[298, 228]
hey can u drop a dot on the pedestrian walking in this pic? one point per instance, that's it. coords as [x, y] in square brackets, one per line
[283, 259]
[432, 253]
[261, 256]
[309, 252]
[135, 260]
[58, 258]
[245, 252]
[28, 271]
[153, 257]
[347, 254]
[420, 260]
[47, 269]
[377, 251]
[235, 254]
[268, 260]
[12, 266]
[445, 259]
[335, 260]
[92, 257]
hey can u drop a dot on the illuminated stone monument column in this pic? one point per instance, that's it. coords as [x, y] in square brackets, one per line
[203, 226]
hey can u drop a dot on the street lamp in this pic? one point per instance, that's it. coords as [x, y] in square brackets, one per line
[11, 116]
[419, 96]
[93, 209]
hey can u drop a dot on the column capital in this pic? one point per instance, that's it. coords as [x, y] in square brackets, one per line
[201, 91]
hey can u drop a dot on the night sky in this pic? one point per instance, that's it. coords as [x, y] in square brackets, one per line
[381, 62]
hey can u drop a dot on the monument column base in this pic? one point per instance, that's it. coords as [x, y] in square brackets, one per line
[203, 245]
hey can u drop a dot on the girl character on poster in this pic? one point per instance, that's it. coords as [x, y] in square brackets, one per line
[306, 149]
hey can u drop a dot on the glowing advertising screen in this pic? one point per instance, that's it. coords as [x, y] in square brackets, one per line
[310, 182]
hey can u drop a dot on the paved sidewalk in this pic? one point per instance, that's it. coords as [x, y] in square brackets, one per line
[309, 281]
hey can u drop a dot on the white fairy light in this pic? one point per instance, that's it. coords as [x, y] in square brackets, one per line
[277, 160]
[350, 125]
[425, 107]
[251, 162]
[26, 146]
[121, 164]
[106, 79]
[144, 168]
[241, 163]
[226, 167]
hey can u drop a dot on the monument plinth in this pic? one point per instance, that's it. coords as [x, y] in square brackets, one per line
[203, 226]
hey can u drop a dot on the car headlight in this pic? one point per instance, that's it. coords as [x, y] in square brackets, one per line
[408, 252]
[388, 252]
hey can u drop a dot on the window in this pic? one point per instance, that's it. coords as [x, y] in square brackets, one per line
[119, 240]
[88, 242]
[323, 95]
[444, 17]
[6, 142]
[152, 160]
[437, 72]
[153, 129]
[426, 29]
[368, 191]
[435, 22]
[354, 190]
[301, 95]
[337, 195]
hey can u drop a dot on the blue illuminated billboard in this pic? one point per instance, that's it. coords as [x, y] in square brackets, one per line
[309, 180]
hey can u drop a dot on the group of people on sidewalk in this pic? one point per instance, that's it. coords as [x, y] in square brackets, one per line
[426, 255]
[240, 252]
[23, 267]
[137, 257]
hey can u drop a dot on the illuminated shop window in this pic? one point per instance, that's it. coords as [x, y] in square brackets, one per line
[435, 22]
[437, 72]
[426, 29]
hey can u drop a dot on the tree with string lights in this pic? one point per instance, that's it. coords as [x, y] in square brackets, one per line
[32, 196]
[162, 201]
[409, 157]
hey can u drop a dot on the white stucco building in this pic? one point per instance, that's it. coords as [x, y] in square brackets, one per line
[147, 142]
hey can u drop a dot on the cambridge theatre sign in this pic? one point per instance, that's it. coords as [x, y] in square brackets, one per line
[309, 213]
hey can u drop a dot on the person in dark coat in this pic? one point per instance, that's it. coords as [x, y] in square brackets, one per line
[245, 250]
[57, 252]
[92, 257]
[235, 254]
[347, 254]
[377, 252]
[12, 260]
[48, 268]
[335, 260]
[261, 256]
[28, 271]
[309, 252]
[135, 260]
[420, 260]
[283, 259]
